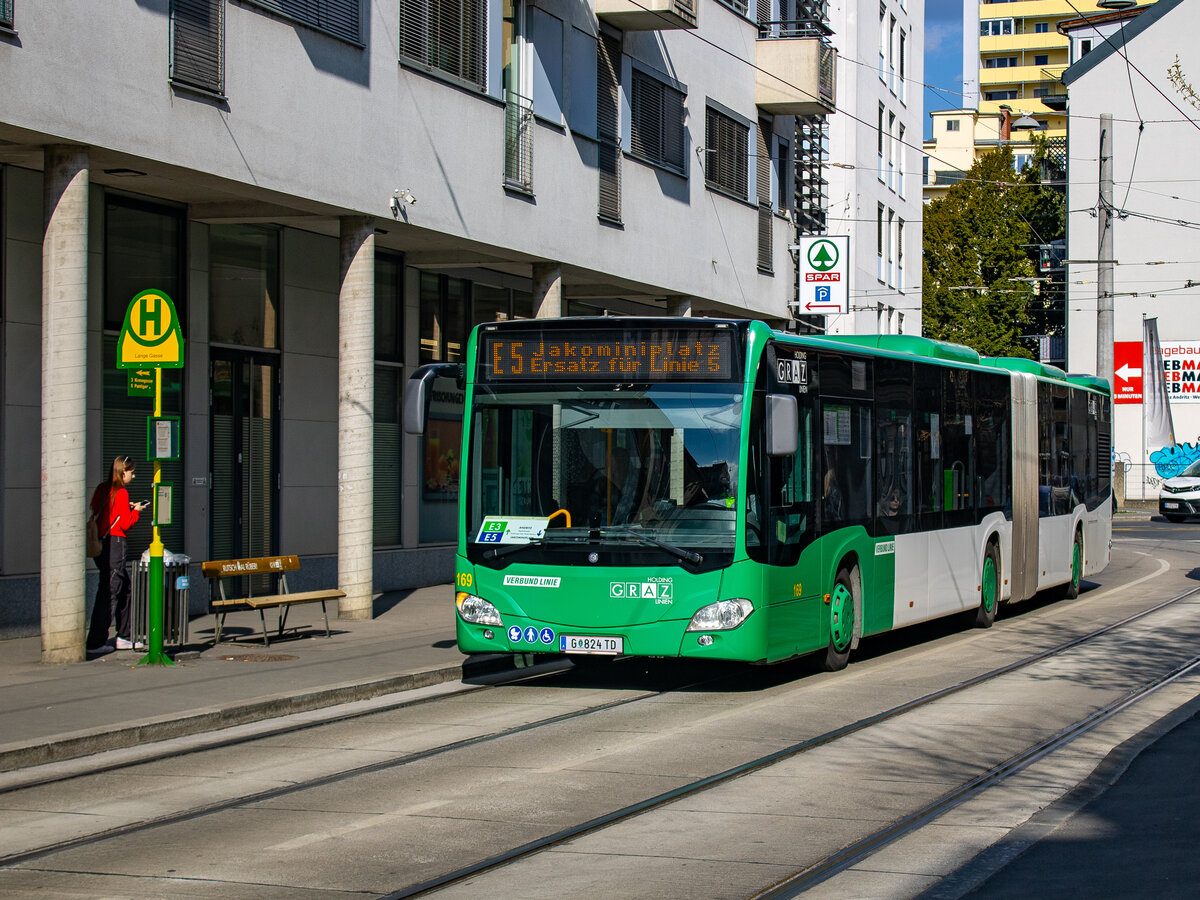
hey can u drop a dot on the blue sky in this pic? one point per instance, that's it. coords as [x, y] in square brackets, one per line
[943, 56]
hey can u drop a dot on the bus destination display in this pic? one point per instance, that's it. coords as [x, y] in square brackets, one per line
[683, 354]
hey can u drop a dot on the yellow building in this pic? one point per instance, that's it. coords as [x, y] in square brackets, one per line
[1018, 54]
[962, 136]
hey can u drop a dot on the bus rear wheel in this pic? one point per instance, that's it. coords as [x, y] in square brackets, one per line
[1070, 590]
[989, 589]
[841, 623]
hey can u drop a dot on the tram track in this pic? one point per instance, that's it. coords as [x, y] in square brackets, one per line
[274, 793]
[600, 822]
[847, 856]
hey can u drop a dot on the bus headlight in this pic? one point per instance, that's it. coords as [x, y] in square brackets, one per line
[476, 610]
[723, 615]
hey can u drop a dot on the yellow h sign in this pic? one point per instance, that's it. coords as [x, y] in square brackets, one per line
[151, 336]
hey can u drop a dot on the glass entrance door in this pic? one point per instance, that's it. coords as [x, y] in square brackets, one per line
[244, 447]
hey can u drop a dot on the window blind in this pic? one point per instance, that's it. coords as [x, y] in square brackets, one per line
[726, 143]
[447, 36]
[608, 88]
[341, 18]
[656, 127]
[198, 44]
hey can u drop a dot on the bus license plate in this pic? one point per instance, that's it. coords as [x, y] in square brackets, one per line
[1170, 505]
[606, 646]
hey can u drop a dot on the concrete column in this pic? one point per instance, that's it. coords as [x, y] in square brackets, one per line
[679, 306]
[547, 291]
[356, 403]
[64, 497]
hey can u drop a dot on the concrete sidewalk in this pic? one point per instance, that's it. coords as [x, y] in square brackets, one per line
[54, 712]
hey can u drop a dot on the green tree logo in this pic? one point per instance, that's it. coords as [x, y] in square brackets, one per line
[823, 255]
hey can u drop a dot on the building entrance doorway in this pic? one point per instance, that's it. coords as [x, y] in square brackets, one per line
[244, 448]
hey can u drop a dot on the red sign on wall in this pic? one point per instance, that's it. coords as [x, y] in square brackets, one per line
[1127, 371]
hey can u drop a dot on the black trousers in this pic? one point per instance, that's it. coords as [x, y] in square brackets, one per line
[112, 596]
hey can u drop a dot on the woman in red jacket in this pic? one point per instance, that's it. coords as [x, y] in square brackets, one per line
[115, 516]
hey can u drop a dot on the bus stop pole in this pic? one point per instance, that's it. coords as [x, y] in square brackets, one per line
[154, 595]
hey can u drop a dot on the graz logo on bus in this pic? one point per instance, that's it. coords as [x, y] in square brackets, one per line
[791, 371]
[660, 590]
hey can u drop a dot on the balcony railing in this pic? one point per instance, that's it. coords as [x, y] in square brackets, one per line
[518, 142]
[647, 15]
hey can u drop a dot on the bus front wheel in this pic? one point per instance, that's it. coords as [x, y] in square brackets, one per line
[841, 623]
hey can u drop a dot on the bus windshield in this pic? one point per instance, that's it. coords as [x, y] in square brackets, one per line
[628, 463]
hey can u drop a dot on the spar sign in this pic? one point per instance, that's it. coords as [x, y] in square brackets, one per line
[1181, 365]
[824, 275]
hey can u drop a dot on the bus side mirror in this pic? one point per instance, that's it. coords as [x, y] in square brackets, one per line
[418, 391]
[783, 423]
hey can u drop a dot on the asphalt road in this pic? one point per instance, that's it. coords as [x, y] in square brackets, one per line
[376, 805]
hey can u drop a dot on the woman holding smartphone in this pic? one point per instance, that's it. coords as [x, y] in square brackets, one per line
[115, 515]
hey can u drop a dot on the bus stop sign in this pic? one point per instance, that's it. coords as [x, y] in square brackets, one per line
[151, 336]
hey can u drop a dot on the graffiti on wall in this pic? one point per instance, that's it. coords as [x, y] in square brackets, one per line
[1171, 461]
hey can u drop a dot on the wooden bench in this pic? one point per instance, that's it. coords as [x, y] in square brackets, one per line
[218, 570]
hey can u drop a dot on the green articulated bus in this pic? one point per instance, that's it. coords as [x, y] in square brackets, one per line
[716, 489]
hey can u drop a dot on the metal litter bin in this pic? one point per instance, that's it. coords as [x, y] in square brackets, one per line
[175, 599]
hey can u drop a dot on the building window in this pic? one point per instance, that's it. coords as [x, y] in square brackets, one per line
[900, 255]
[879, 142]
[900, 162]
[726, 153]
[783, 168]
[1085, 47]
[389, 389]
[952, 124]
[995, 27]
[198, 45]
[879, 242]
[340, 18]
[891, 156]
[446, 36]
[244, 286]
[656, 122]
[1000, 62]
[6, 13]
[903, 55]
[891, 224]
[1041, 27]
[443, 318]
[882, 40]
[1041, 92]
[1041, 59]
[1000, 95]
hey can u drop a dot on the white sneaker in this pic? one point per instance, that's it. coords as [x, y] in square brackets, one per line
[123, 644]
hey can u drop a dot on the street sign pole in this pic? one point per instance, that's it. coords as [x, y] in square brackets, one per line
[152, 338]
[154, 637]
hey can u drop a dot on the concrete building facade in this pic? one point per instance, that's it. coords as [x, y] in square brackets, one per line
[1154, 199]
[874, 172]
[333, 193]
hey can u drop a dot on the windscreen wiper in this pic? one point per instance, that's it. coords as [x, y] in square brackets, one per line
[679, 552]
[556, 537]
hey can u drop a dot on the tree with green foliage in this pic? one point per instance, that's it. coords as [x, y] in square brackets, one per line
[977, 251]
